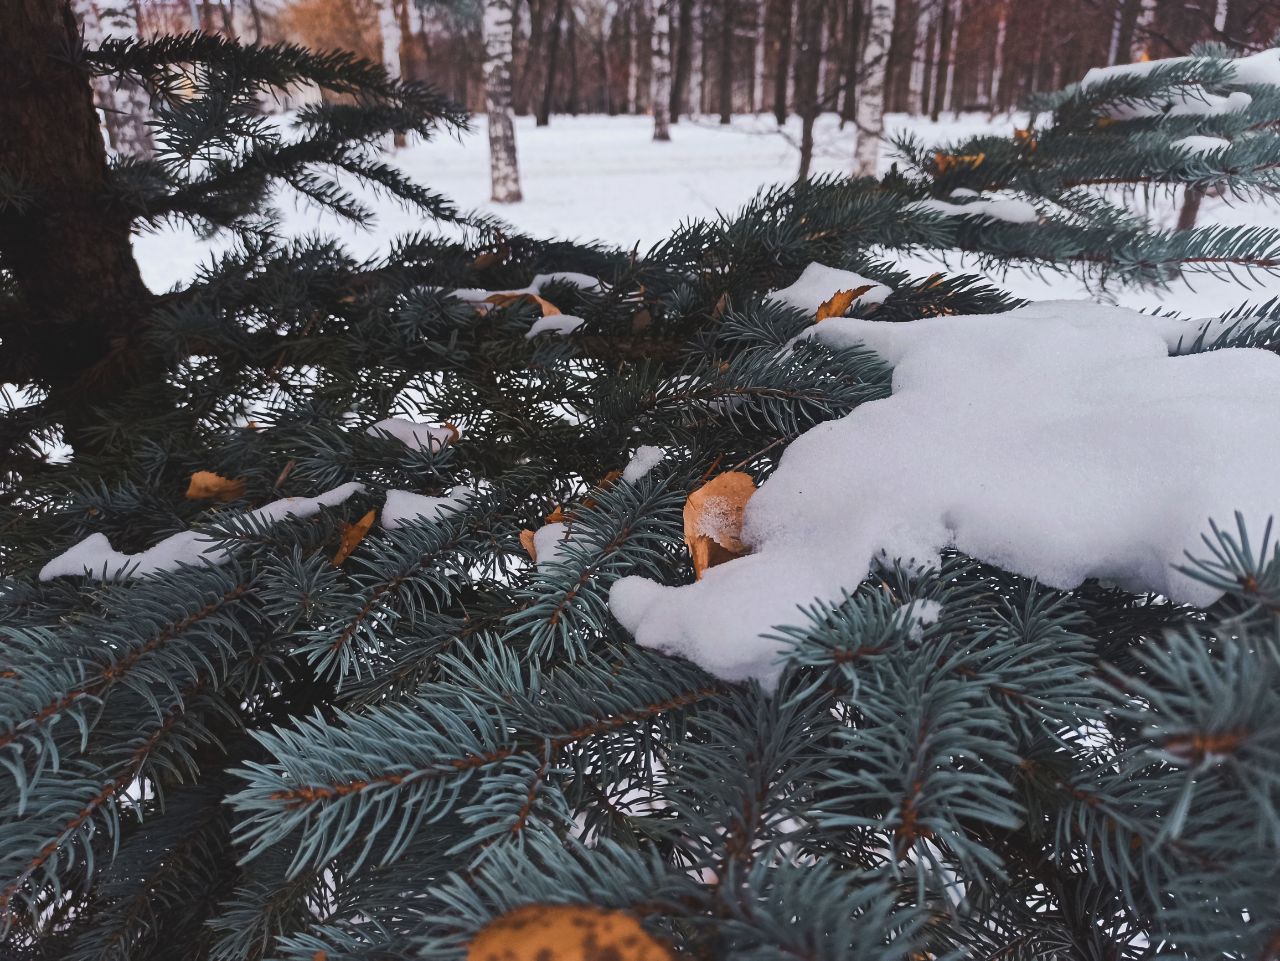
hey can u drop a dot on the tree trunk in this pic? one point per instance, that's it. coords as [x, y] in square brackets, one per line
[1235, 25]
[661, 79]
[902, 58]
[780, 105]
[1190, 211]
[504, 173]
[124, 103]
[698, 66]
[728, 10]
[852, 46]
[523, 91]
[683, 57]
[389, 32]
[941, 71]
[571, 104]
[633, 57]
[78, 320]
[553, 53]
[870, 112]
[997, 65]
[807, 65]
[256, 15]
[757, 66]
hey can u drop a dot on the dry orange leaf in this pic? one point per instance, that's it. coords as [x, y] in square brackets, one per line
[841, 301]
[713, 519]
[556, 516]
[527, 542]
[207, 486]
[505, 300]
[565, 932]
[352, 535]
[454, 433]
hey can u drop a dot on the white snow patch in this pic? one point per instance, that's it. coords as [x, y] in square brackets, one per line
[414, 435]
[1059, 441]
[1260, 68]
[818, 283]
[1007, 208]
[95, 556]
[549, 541]
[1197, 144]
[645, 459]
[403, 507]
[561, 324]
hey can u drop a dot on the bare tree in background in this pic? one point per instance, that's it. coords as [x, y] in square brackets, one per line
[124, 105]
[661, 77]
[869, 112]
[809, 27]
[389, 30]
[504, 173]
[552, 64]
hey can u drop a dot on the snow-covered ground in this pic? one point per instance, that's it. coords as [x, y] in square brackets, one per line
[603, 178]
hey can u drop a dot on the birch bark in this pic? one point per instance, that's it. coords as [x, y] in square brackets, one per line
[504, 173]
[869, 115]
[124, 103]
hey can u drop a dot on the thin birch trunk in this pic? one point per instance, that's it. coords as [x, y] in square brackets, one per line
[124, 103]
[997, 68]
[633, 57]
[698, 66]
[870, 106]
[661, 77]
[941, 72]
[504, 173]
[389, 31]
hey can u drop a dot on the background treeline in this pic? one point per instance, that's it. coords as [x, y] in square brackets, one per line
[737, 56]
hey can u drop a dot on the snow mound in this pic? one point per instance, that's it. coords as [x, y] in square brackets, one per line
[1197, 144]
[645, 459]
[1060, 441]
[561, 324]
[95, 556]
[819, 283]
[414, 435]
[404, 507]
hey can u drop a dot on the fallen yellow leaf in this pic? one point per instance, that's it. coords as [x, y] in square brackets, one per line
[841, 301]
[505, 300]
[527, 542]
[352, 535]
[207, 486]
[713, 520]
[565, 932]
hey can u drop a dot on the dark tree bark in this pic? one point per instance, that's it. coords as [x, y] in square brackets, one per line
[945, 29]
[553, 54]
[902, 52]
[852, 59]
[683, 60]
[728, 13]
[83, 304]
[571, 104]
[780, 105]
[807, 66]
[926, 86]
[526, 80]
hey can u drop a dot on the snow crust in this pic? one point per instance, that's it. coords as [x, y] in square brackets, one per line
[645, 459]
[548, 542]
[404, 507]
[95, 556]
[561, 324]
[412, 434]
[818, 283]
[1060, 441]
[1010, 209]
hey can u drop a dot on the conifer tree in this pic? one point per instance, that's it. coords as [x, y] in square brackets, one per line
[310, 646]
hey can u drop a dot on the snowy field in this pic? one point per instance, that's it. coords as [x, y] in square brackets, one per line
[603, 178]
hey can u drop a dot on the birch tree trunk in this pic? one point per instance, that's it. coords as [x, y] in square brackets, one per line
[661, 92]
[698, 64]
[124, 104]
[633, 57]
[869, 115]
[389, 31]
[504, 174]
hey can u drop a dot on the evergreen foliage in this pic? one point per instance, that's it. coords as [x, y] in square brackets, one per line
[280, 758]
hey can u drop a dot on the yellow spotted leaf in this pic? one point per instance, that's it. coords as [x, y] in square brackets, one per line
[841, 301]
[207, 486]
[713, 519]
[506, 300]
[565, 932]
[352, 535]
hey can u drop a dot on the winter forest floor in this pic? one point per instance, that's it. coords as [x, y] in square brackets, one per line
[603, 178]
